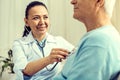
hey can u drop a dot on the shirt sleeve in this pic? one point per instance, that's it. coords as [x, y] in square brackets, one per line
[19, 59]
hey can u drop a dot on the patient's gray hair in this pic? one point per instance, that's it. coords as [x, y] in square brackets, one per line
[109, 5]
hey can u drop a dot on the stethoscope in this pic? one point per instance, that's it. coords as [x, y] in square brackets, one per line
[41, 46]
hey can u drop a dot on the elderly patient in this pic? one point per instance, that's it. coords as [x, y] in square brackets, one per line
[98, 54]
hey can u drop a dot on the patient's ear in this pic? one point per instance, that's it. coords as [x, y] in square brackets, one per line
[100, 3]
[26, 22]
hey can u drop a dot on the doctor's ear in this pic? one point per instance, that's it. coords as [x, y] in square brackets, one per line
[26, 22]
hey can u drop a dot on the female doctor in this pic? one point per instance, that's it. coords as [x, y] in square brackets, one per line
[37, 54]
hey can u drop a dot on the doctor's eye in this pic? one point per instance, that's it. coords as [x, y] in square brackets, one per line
[36, 18]
[45, 17]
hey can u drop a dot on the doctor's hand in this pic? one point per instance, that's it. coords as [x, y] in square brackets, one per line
[57, 54]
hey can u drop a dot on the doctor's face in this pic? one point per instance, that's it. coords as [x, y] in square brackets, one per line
[38, 20]
[83, 9]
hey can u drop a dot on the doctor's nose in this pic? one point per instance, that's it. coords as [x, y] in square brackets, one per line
[41, 21]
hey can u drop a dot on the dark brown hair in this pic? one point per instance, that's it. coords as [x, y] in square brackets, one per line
[29, 6]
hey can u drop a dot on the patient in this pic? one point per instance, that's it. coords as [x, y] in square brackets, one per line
[98, 55]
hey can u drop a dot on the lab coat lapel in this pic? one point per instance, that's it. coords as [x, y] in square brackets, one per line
[36, 49]
[30, 40]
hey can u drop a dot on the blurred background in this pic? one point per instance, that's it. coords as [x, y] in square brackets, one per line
[62, 23]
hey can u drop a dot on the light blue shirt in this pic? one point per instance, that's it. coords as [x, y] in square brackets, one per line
[97, 57]
[26, 50]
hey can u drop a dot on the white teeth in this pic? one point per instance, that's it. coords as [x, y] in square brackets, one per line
[42, 26]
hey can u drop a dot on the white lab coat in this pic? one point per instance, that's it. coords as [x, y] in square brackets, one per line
[26, 49]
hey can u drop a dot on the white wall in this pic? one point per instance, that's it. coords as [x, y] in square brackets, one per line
[116, 15]
[62, 23]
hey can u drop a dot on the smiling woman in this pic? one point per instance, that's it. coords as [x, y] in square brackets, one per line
[38, 20]
[38, 46]
[11, 21]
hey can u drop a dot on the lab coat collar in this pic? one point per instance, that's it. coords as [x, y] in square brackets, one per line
[30, 38]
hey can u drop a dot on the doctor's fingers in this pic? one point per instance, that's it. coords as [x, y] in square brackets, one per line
[57, 58]
[59, 55]
[59, 51]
